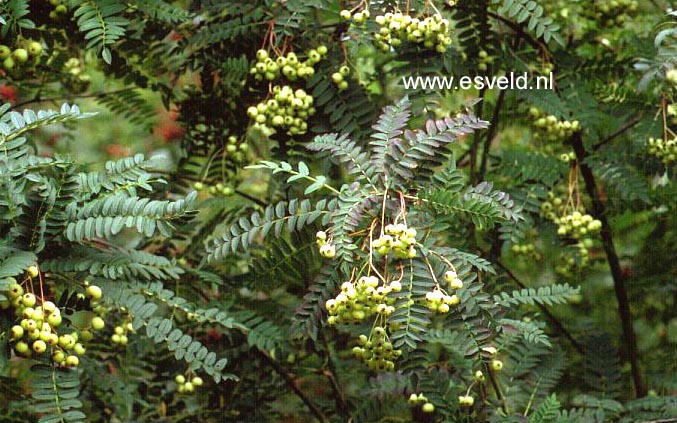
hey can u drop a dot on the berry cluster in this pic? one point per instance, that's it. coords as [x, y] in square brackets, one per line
[420, 399]
[290, 65]
[359, 17]
[288, 109]
[119, 336]
[40, 329]
[526, 249]
[361, 300]
[569, 262]
[399, 239]
[185, 386]
[484, 60]
[664, 150]
[234, 152]
[24, 56]
[59, 11]
[74, 76]
[549, 128]
[439, 301]
[327, 249]
[216, 190]
[575, 224]
[338, 78]
[613, 13]
[466, 401]
[568, 157]
[433, 32]
[376, 351]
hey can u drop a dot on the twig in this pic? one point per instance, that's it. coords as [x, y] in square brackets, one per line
[619, 132]
[330, 373]
[491, 132]
[291, 382]
[614, 264]
[476, 139]
[553, 320]
[518, 29]
[37, 98]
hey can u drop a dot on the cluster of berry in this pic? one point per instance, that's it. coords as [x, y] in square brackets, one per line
[576, 259]
[74, 76]
[338, 78]
[288, 109]
[397, 238]
[327, 249]
[290, 65]
[575, 224]
[119, 336]
[185, 386]
[218, 189]
[549, 128]
[24, 56]
[526, 249]
[361, 300]
[614, 12]
[433, 32]
[664, 150]
[376, 351]
[59, 11]
[420, 399]
[40, 328]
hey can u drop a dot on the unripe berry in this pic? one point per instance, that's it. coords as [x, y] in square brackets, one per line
[197, 381]
[98, 323]
[671, 76]
[33, 271]
[497, 365]
[20, 55]
[94, 292]
[39, 346]
[72, 361]
[79, 349]
[180, 379]
[22, 348]
[428, 407]
[28, 300]
[35, 48]
[17, 332]
[345, 14]
[59, 357]
[54, 319]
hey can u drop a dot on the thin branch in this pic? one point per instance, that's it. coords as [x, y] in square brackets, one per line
[519, 31]
[553, 320]
[616, 134]
[37, 98]
[491, 132]
[332, 375]
[625, 315]
[291, 382]
[476, 139]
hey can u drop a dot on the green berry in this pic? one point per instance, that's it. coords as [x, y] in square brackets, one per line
[98, 323]
[94, 292]
[20, 55]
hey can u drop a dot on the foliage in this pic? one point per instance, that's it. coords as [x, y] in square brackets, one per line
[405, 254]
